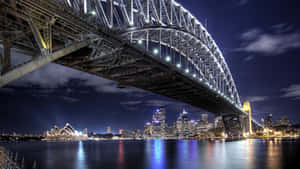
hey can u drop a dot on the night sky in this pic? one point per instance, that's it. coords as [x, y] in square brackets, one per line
[260, 40]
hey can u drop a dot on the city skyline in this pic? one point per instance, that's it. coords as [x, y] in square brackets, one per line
[149, 84]
[264, 76]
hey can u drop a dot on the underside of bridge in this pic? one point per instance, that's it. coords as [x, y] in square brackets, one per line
[131, 67]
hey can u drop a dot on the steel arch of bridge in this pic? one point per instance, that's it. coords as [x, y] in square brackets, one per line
[170, 32]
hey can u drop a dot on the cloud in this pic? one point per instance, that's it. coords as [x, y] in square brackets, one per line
[274, 43]
[282, 28]
[257, 98]
[151, 103]
[159, 103]
[131, 103]
[251, 34]
[242, 2]
[53, 76]
[249, 58]
[69, 99]
[293, 91]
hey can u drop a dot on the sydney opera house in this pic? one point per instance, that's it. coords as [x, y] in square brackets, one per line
[65, 133]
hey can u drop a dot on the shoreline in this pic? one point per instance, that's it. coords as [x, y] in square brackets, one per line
[5, 161]
[137, 139]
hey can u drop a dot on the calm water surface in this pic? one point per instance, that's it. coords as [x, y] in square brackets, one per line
[161, 154]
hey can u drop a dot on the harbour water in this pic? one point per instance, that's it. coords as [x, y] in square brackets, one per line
[160, 154]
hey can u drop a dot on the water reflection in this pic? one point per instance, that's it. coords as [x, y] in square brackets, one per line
[121, 164]
[188, 155]
[155, 157]
[273, 154]
[161, 154]
[80, 162]
[250, 153]
[158, 158]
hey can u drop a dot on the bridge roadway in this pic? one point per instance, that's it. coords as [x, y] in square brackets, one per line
[52, 31]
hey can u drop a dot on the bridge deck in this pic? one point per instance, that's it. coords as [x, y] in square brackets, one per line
[133, 67]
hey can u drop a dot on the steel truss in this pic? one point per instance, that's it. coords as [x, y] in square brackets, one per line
[172, 30]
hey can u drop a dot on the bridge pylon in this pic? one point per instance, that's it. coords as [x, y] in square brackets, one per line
[247, 108]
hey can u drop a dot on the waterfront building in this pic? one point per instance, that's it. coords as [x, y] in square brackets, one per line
[284, 121]
[282, 125]
[67, 130]
[204, 118]
[148, 130]
[65, 133]
[108, 130]
[170, 131]
[192, 127]
[159, 123]
[268, 123]
[218, 123]
[182, 125]
[85, 131]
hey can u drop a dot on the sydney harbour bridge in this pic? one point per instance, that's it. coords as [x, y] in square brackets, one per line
[155, 45]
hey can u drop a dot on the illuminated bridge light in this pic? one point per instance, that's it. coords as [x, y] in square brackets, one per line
[168, 58]
[155, 51]
[178, 65]
[187, 70]
[194, 75]
[93, 13]
[201, 79]
[140, 42]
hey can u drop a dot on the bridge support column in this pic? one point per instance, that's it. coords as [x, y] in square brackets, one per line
[232, 125]
[39, 62]
[5, 61]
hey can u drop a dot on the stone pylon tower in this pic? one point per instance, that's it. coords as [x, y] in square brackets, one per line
[247, 108]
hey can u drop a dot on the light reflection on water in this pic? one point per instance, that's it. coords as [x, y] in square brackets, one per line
[155, 154]
[274, 154]
[80, 162]
[160, 154]
[121, 161]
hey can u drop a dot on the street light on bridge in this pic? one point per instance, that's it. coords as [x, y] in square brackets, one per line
[93, 13]
[168, 58]
[140, 42]
[155, 51]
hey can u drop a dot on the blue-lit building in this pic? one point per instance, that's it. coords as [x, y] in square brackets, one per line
[182, 125]
[159, 124]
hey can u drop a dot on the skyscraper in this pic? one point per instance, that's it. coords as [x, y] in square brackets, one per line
[108, 130]
[182, 124]
[159, 123]
[85, 132]
[148, 130]
[268, 121]
[204, 118]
